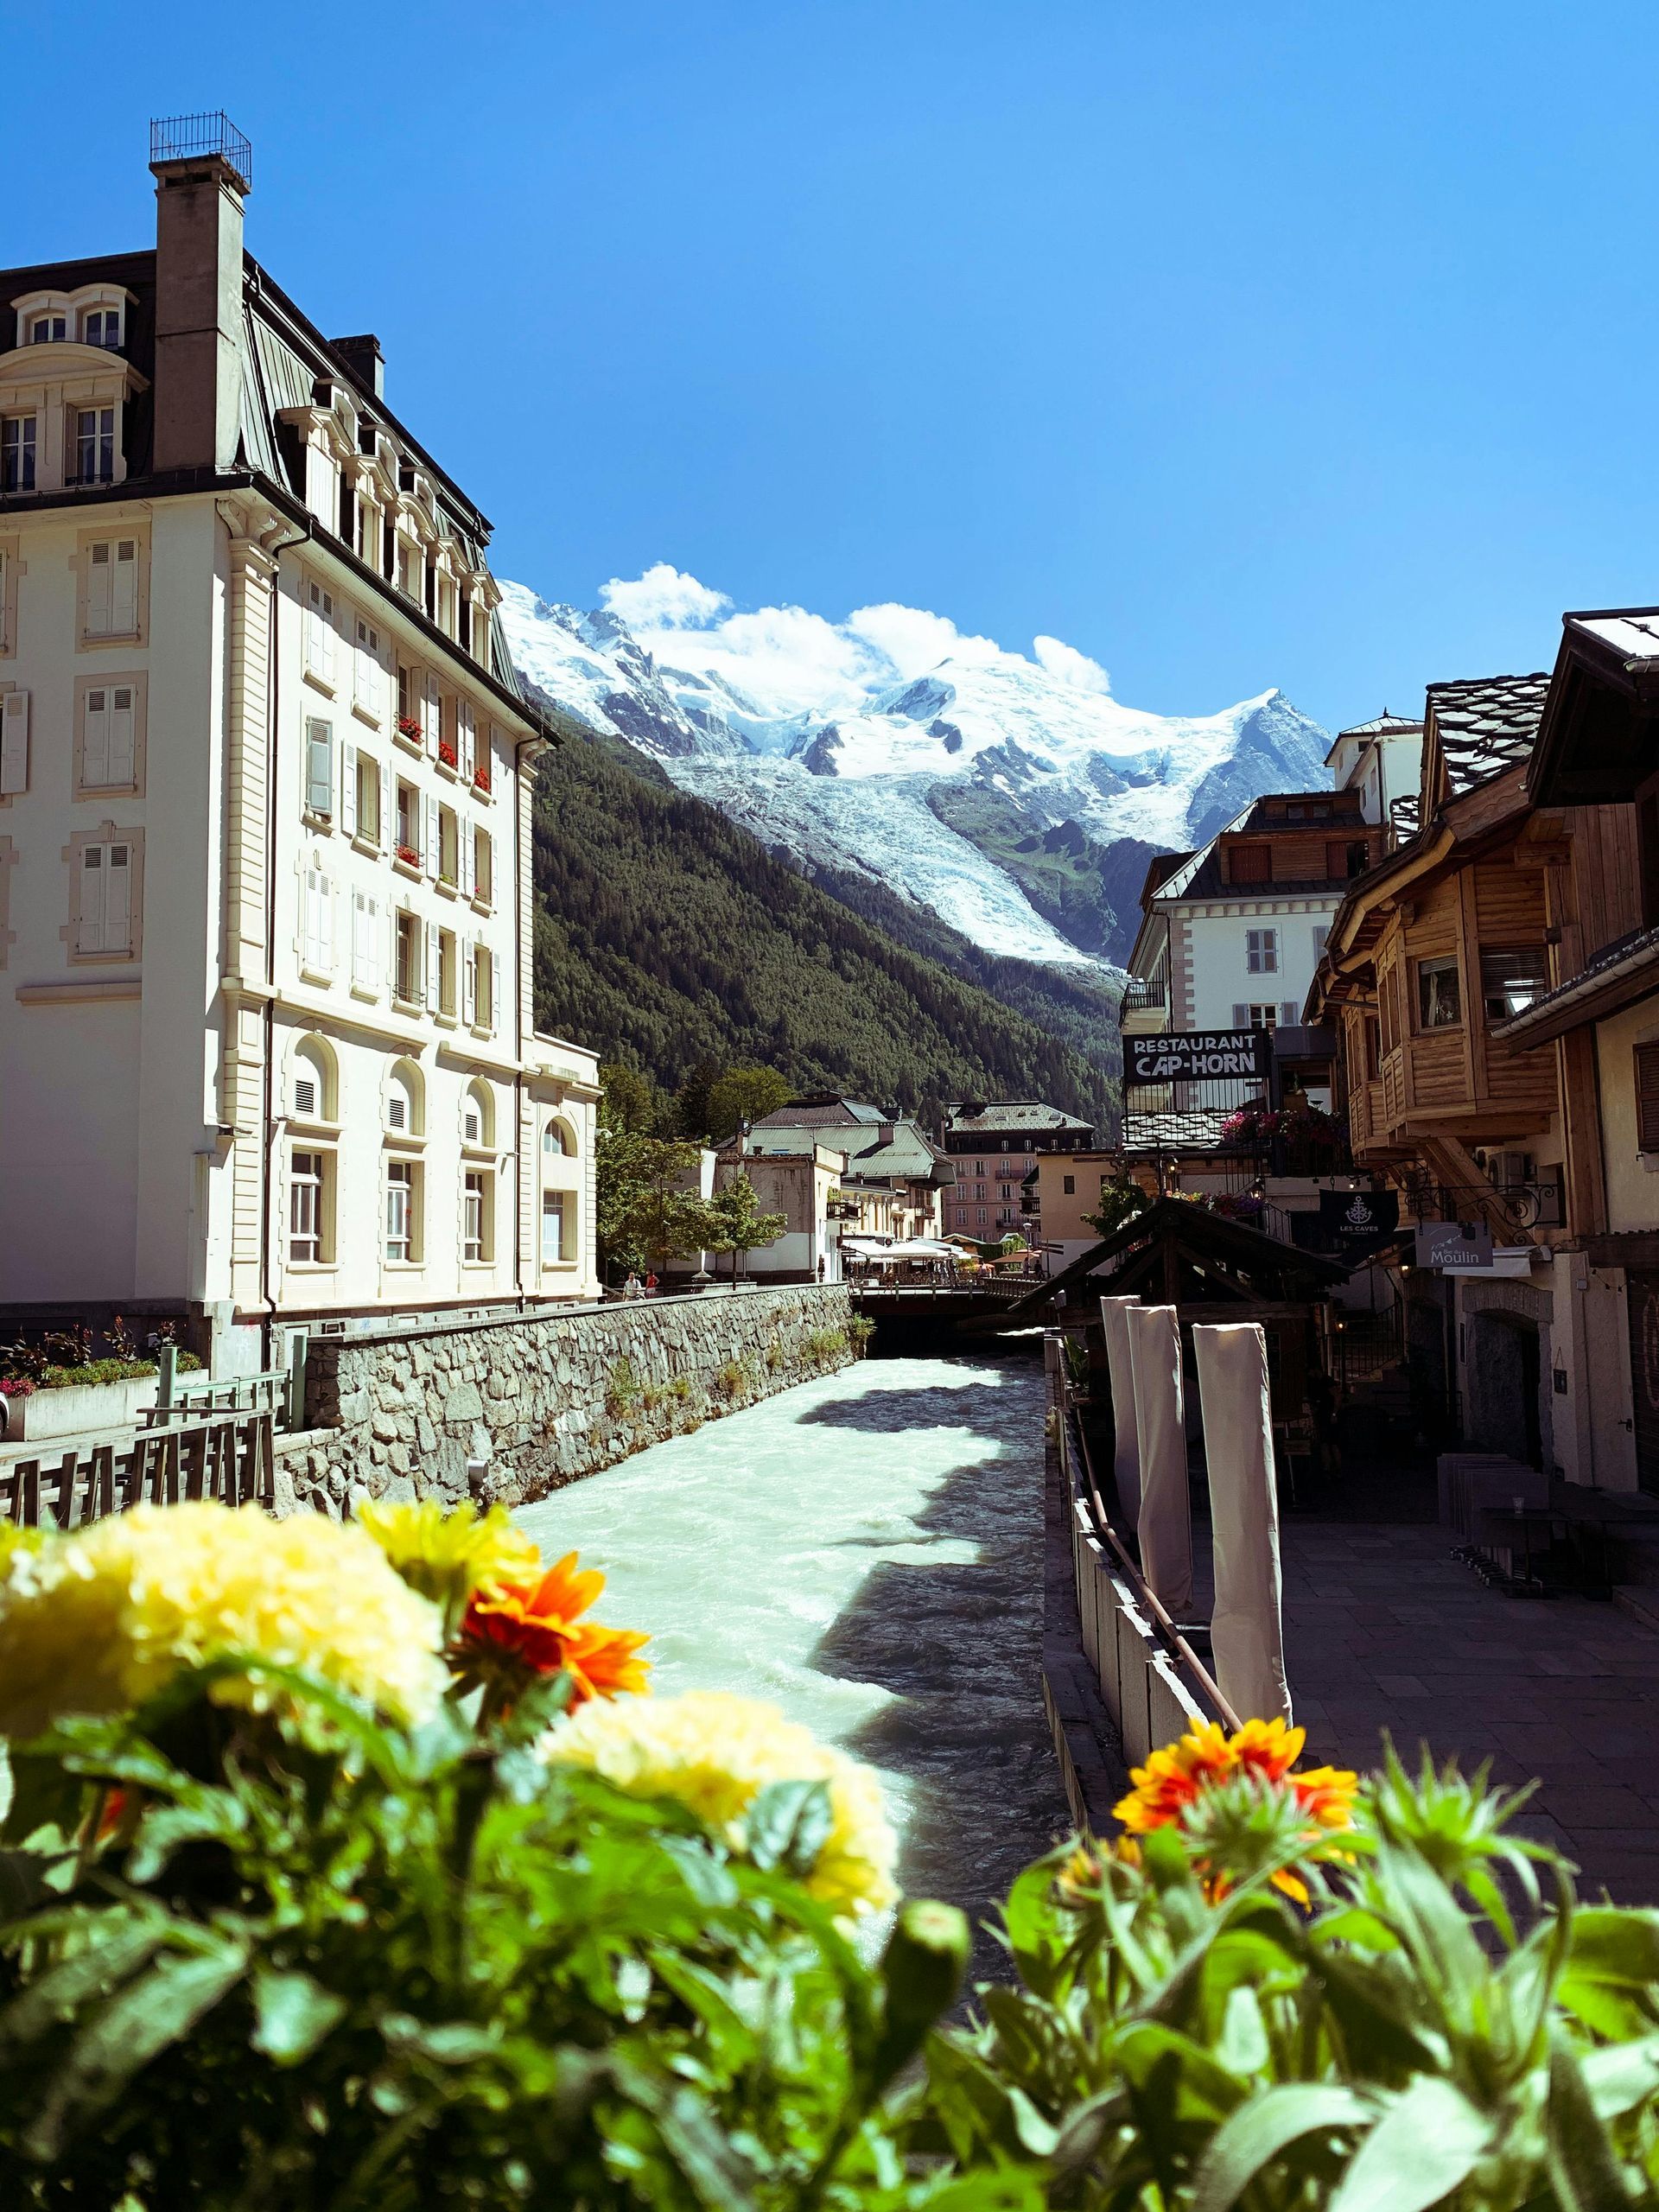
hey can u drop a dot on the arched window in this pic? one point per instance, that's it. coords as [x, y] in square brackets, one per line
[312, 1081]
[558, 1137]
[478, 1116]
[404, 1103]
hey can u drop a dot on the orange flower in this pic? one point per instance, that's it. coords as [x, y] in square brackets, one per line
[513, 1631]
[1172, 1780]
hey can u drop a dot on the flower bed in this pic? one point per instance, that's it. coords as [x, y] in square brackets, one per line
[347, 1866]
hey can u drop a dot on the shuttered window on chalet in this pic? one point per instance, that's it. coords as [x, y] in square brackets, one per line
[1250, 864]
[1389, 1008]
[1647, 1097]
[1510, 981]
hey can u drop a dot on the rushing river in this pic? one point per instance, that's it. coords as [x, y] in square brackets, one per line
[866, 1551]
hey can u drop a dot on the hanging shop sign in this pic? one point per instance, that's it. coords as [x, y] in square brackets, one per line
[1454, 1244]
[1356, 1221]
[1196, 1053]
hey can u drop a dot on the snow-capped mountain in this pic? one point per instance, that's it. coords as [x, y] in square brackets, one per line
[1014, 795]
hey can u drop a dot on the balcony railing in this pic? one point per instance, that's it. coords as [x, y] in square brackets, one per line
[1146, 991]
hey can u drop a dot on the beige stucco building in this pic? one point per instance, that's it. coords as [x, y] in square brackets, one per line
[267, 1051]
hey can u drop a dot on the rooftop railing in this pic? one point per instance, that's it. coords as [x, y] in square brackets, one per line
[189, 137]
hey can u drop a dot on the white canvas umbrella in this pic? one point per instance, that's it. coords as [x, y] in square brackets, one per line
[1126, 1460]
[1247, 1630]
[1166, 1519]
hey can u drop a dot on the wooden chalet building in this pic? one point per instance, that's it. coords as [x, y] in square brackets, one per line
[1432, 969]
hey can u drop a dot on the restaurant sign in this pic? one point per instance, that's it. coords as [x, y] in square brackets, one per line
[1196, 1053]
[1454, 1244]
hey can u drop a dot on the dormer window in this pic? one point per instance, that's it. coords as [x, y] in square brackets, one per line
[102, 326]
[44, 329]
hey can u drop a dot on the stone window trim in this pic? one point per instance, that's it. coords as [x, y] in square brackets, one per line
[302, 1137]
[82, 563]
[107, 832]
[309, 1048]
[403, 1081]
[74, 307]
[139, 680]
[10, 567]
[8, 861]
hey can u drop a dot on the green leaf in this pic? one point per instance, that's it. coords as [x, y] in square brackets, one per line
[1423, 2147]
[213, 1813]
[788, 1824]
[292, 2014]
[1259, 2131]
[1242, 2047]
[114, 1945]
[1579, 2155]
[1622, 2077]
[921, 1970]
[1612, 1963]
[148, 2015]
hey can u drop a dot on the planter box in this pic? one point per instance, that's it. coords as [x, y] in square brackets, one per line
[46, 1413]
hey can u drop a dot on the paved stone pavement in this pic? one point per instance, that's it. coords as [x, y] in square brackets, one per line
[1384, 1630]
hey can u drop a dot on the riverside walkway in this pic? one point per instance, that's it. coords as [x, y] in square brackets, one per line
[864, 1551]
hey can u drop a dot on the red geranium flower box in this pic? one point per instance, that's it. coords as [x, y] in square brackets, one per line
[408, 855]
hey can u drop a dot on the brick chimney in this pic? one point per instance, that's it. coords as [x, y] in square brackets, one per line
[202, 167]
[363, 357]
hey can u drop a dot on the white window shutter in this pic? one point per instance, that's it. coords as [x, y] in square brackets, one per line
[469, 740]
[348, 789]
[432, 716]
[371, 935]
[1240, 1014]
[123, 592]
[90, 934]
[469, 983]
[319, 768]
[464, 857]
[99, 563]
[432, 967]
[495, 991]
[434, 840]
[1288, 1013]
[14, 743]
[311, 951]
[121, 754]
[486, 881]
[95, 738]
[327, 926]
[117, 899]
[360, 940]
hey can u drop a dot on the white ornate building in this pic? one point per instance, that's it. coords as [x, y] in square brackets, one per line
[267, 1051]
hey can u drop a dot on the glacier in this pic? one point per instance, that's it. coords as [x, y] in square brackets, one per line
[839, 744]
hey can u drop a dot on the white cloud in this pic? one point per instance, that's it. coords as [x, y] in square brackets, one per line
[663, 598]
[1067, 665]
[912, 640]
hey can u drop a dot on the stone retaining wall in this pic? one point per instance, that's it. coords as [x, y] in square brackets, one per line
[545, 1398]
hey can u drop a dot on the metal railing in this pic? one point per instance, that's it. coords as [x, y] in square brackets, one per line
[210, 131]
[232, 1459]
[277, 1391]
[1525, 1205]
[1146, 991]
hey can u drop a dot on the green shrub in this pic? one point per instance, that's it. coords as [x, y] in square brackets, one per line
[650, 1397]
[825, 1345]
[774, 1359]
[680, 1389]
[859, 1330]
[621, 1388]
[732, 1379]
[111, 1370]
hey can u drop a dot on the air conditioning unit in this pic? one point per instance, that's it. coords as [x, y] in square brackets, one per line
[1509, 1169]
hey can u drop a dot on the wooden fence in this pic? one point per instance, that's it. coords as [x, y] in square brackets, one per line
[231, 1458]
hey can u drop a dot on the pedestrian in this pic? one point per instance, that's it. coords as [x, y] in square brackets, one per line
[651, 1284]
[631, 1288]
[821, 1266]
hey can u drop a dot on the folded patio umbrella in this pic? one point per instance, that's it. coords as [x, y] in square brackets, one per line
[1165, 1518]
[1247, 1629]
[1125, 1459]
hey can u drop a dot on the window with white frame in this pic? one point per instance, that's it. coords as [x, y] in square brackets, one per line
[361, 796]
[108, 738]
[554, 1248]
[318, 768]
[94, 445]
[408, 817]
[449, 975]
[406, 973]
[317, 935]
[112, 587]
[311, 1081]
[483, 867]
[477, 1116]
[368, 675]
[485, 972]
[18, 454]
[308, 1209]
[403, 1211]
[319, 627]
[556, 1138]
[14, 742]
[448, 846]
[477, 1225]
[404, 1102]
[104, 913]
[101, 326]
[47, 329]
[408, 721]
[1261, 952]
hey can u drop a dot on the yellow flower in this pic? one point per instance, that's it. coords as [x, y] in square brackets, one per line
[713, 1752]
[103, 1618]
[446, 1555]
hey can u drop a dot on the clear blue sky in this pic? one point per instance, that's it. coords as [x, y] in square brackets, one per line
[1233, 344]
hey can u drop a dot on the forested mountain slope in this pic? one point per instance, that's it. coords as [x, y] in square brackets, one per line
[666, 936]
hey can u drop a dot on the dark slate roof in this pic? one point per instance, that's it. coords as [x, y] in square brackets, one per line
[969, 1116]
[1382, 725]
[1486, 724]
[822, 1109]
